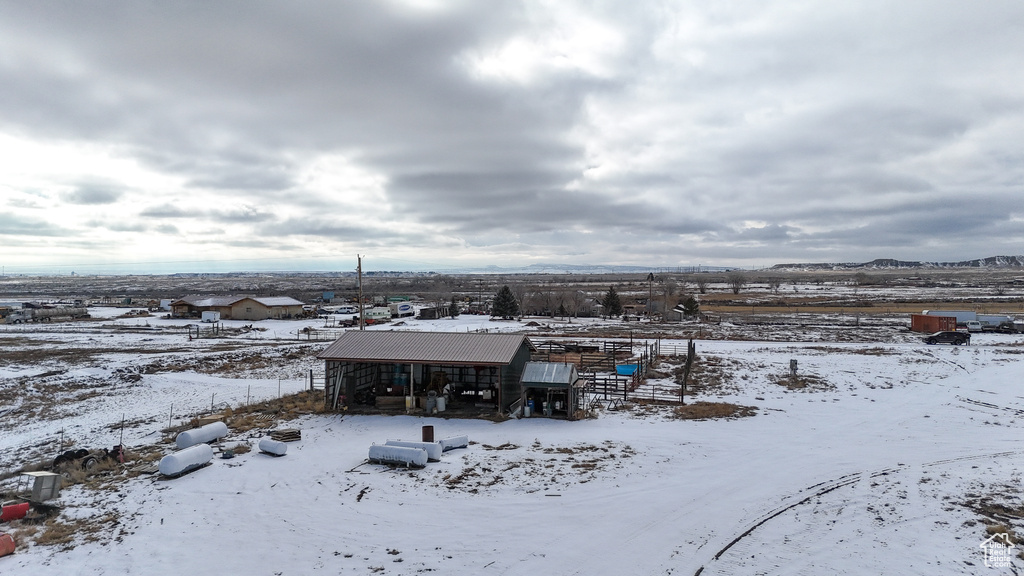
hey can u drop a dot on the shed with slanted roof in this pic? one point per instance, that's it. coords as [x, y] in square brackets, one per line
[398, 370]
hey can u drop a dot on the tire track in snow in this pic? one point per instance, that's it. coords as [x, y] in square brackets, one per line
[822, 488]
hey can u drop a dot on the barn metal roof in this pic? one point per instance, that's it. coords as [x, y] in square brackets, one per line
[219, 301]
[425, 347]
[549, 373]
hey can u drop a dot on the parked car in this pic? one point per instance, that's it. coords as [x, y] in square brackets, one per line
[974, 326]
[948, 337]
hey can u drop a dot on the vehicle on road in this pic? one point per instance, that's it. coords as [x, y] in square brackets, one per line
[948, 337]
[974, 326]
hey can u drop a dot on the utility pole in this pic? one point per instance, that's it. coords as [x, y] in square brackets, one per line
[359, 270]
[650, 295]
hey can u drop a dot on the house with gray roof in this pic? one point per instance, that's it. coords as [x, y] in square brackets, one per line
[237, 307]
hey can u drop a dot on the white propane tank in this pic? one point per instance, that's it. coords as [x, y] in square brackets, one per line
[454, 442]
[273, 447]
[208, 433]
[398, 455]
[177, 463]
[433, 448]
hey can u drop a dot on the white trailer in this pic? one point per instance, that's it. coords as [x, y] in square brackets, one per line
[962, 316]
[377, 314]
[211, 316]
[401, 309]
[993, 321]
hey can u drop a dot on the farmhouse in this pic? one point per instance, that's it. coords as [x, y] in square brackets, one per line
[237, 307]
[400, 369]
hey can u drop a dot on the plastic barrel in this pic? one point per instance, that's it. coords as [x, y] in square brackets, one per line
[6, 545]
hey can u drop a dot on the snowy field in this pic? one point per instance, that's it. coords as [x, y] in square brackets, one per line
[878, 466]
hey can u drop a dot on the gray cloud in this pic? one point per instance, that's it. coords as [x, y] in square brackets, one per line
[749, 131]
[28, 227]
[90, 194]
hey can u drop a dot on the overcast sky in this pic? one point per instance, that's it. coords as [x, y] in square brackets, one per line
[185, 136]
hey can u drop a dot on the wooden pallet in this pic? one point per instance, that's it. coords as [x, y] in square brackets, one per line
[286, 435]
[151, 468]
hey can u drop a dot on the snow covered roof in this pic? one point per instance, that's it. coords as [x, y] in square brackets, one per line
[425, 347]
[549, 373]
[219, 301]
[277, 301]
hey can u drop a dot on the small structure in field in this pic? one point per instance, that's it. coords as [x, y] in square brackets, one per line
[553, 389]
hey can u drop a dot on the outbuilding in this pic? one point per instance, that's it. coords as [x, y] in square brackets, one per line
[552, 389]
[398, 370]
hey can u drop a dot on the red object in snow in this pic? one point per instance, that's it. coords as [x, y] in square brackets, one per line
[13, 512]
[6, 545]
[929, 324]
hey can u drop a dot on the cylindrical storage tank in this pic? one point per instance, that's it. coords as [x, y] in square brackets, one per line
[6, 545]
[273, 447]
[208, 433]
[440, 403]
[526, 412]
[398, 455]
[454, 442]
[184, 460]
[433, 448]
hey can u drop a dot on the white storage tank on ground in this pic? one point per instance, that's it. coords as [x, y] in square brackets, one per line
[208, 433]
[273, 447]
[182, 461]
[454, 442]
[433, 449]
[398, 455]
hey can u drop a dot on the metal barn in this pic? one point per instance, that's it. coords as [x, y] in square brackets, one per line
[397, 370]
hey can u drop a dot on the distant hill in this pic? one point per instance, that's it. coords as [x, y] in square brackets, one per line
[997, 262]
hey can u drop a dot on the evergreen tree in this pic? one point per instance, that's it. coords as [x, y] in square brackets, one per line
[691, 307]
[505, 304]
[612, 304]
[455, 308]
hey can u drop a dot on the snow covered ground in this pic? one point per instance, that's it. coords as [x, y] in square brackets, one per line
[868, 470]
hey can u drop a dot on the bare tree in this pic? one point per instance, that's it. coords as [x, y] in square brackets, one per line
[574, 302]
[548, 300]
[521, 291]
[736, 281]
[774, 284]
[702, 283]
[442, 291]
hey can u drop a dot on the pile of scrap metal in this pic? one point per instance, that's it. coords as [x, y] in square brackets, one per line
[87, 460]
[32, 506]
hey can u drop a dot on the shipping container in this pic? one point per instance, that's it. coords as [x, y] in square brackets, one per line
[929, 324]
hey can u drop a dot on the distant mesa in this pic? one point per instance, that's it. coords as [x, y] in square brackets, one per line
[893, 264]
